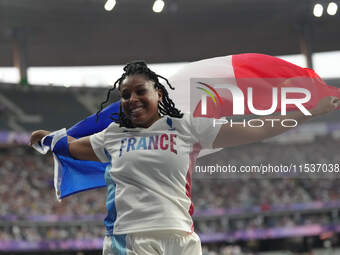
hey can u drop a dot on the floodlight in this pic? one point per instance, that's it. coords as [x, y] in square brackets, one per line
[158, 6]
[318, 10]
[109, 5]
[332, 8]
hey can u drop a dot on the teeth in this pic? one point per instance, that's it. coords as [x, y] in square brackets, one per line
[136, 109]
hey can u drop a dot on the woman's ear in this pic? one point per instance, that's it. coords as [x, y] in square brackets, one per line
[160, 94]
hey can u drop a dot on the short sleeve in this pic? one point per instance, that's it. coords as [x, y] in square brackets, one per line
[204, 130]
[97, 143]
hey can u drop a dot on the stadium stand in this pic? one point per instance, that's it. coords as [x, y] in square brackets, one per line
[48, 107]
[223, 206]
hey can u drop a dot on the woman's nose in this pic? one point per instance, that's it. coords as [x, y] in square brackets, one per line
[133, 97]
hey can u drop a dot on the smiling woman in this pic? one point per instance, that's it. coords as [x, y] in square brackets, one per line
[143, 98]
[139, 99]
[151, 150]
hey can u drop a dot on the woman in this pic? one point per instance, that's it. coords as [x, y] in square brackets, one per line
[152, 148]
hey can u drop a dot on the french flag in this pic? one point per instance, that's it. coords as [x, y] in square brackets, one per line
[261, 72]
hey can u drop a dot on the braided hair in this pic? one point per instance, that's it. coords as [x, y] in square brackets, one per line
[165, 107]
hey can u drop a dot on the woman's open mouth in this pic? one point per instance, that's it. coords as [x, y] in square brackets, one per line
[136, 110]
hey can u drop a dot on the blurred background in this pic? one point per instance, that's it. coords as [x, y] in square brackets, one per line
[59, 57]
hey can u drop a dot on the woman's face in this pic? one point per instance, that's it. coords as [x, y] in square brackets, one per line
[139, 100]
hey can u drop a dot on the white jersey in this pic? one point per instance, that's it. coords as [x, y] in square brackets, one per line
[149, 178]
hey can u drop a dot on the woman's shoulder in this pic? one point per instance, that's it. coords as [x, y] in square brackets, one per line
[113, 127]
[183, 121]
[185, 116]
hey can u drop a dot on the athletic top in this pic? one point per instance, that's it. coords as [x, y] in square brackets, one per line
[149, 178]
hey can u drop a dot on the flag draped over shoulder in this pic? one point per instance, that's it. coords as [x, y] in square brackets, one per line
[261, 72]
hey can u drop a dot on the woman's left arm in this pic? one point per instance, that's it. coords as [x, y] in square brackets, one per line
[229, 136]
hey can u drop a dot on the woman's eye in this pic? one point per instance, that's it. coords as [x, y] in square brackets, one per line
[141, 91]
[125, 95]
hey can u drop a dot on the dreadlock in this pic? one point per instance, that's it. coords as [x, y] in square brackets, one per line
[165, 107]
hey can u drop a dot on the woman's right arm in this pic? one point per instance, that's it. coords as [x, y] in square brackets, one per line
[79, 148]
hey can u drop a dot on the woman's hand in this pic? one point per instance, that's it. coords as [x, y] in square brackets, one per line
[38, 135]
[78, 148]
[326, 105]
